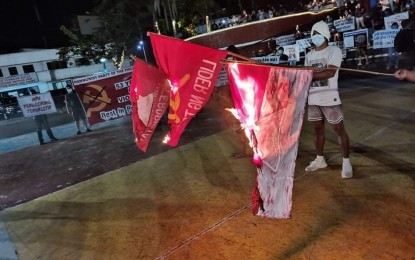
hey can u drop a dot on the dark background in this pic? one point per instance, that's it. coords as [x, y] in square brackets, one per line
[21, 27]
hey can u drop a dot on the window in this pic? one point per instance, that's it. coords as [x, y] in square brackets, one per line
[82, 62]
[53, 65]
[13, 71]
[28, 68]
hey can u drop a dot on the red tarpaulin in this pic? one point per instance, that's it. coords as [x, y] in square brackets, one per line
[269, 102]
[192, 71]
[105, 96]
[149, 96]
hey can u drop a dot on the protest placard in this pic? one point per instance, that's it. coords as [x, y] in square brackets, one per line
[344, 25]
[395, 18]
[384, 38]
[355, 39]
[285, 40]
[37, 104]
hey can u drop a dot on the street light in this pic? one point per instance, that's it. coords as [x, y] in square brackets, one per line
[141, 46]
[103, 60]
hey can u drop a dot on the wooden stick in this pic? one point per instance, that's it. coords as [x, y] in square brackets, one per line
[256, 63]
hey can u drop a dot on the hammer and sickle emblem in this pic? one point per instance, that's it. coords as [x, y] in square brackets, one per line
[175, 100]
[89, 98]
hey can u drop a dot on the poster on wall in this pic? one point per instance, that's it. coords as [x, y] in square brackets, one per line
[355, 39]
[37, 104]
[105, 96]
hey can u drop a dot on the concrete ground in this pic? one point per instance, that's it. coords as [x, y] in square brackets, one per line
[193, 202]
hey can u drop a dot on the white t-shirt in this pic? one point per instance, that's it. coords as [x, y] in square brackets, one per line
[324, 92]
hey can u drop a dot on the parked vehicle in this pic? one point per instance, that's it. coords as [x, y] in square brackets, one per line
[12, 111]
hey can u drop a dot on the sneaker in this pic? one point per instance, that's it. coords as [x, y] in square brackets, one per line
[315, 165]
[88, 130]
[78, 133]
[53, 139]
[42, 143]
[347, 171]
[359, 64]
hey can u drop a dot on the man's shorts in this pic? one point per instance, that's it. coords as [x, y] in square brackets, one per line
[333, 114]
[78, 114]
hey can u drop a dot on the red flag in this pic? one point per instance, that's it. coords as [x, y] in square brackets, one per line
[192, 71]
[269, 102]
[149, 94]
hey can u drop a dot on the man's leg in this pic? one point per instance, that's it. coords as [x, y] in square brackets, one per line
[47, 127]
[343, 139]
[316, 116]
[319, 136]
[76, 118]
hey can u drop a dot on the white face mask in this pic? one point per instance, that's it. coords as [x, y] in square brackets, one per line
[69, 90]
[318, 39]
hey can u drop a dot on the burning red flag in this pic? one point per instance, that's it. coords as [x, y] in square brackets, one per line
[270, 102]
[192, 71]
[149, 95]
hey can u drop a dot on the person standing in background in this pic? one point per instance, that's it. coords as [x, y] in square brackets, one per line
[74, 106]
[42, 121]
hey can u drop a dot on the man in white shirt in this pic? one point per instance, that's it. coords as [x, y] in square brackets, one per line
[324, 100]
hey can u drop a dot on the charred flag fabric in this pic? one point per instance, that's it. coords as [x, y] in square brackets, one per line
[192, 71]
[149, 95]
[270, 103]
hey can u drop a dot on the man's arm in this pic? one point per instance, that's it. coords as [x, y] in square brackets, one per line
[324, 73]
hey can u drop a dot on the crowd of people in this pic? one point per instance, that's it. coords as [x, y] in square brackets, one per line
[270, 11]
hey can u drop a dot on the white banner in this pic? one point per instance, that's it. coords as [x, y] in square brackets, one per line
[38, 104]
[16, 80]
[285, 40]
[384, 38]
[267, 59]
[344, 25]
[395, 18]
[80, 81]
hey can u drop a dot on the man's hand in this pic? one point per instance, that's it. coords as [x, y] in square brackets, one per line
[401, 74]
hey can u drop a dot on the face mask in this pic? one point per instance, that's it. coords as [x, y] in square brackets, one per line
[318, 39]
[69, 90]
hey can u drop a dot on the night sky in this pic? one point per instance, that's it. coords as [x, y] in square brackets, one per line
[20, 27]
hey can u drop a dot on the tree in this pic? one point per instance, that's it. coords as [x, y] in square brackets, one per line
[122, 25]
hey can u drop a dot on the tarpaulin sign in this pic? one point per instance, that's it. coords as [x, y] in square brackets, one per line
[105, 96]
[38, 104]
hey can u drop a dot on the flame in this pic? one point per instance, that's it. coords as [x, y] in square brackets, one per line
[246, 115]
